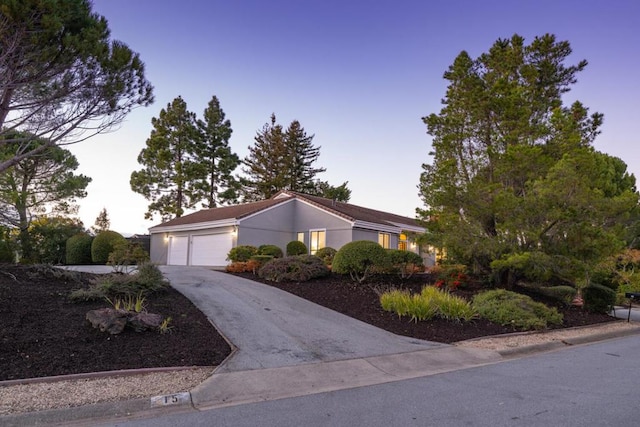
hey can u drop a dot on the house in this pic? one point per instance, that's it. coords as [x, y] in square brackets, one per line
[204, 238]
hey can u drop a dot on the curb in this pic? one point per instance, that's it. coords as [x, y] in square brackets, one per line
[558, 344]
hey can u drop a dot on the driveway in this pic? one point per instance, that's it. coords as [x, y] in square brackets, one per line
[272, 328]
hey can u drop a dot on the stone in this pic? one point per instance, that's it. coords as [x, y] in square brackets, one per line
[143, 321]
[108, 320]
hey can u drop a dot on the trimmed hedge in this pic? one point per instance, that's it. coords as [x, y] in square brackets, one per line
[300, 268]
[270, 250]
[598, 298]
[359, 259]
[78, 249]
[404, 263]
[242, 253]
[103, 244]
[326, 254]
[296, 247]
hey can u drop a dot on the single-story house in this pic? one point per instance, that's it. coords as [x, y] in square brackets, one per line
[204, 238]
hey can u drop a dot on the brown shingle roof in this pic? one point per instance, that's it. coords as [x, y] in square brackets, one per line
[345, 210]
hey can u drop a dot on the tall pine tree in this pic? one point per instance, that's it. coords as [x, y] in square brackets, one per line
[169, 172]
[215, 160]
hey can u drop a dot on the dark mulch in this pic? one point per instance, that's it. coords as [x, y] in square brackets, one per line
[361, 301]
[42, 333]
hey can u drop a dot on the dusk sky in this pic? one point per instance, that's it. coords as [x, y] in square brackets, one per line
[359, 75]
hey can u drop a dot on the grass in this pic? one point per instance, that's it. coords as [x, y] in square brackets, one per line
[429, 303]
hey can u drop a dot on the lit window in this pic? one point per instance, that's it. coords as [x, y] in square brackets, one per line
[402, 242]
[301, 237]
[384, 240]
[317, 240]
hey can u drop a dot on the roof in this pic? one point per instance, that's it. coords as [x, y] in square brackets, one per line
[348, 211]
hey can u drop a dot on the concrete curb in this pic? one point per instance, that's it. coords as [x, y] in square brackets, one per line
[558, 344]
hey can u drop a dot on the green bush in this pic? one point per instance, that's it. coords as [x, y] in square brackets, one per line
[429, 303]
[517, 310]
[103, 244]
[78, 249]
[146, 280]
[564, 294]
[242, 253]
[326, 254]
[271, 250]
[7, 251]
[125, 254]
[404, 263]
[296, 247]
[300, 268]
[598, 298]
[359, 259]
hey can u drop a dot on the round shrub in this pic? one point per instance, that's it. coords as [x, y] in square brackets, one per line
[404, 263]
[296, 247]
[359, 259]
[326, 255]
[103, 244]
[78, 249]
[242, 253]
[300, 268]
[598, 298]
[562, 293]
[514, 309]
[270, 250]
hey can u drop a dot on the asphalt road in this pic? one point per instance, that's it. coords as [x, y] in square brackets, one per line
[591, 385]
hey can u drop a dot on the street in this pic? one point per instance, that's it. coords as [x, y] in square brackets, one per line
[591, 385]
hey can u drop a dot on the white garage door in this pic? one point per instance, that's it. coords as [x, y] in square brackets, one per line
[211, 249]
[178, 249]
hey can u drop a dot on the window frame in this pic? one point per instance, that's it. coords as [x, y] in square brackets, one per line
[319, 244]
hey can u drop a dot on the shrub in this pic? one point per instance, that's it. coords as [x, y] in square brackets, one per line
[146, 280]
[299, 268]
[326, 254]
[271, 250]
[564, 294]
[296, 247]
[404, 263]
[598, 298]
[242, 253]
[519, 311]
[237, 267]
[7, 251]
[103, 244]
[78, 249]
[429, 303]
[126, 253]
[359, 259]
[450, 276]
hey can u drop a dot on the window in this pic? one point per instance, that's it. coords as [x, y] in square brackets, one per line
[317, 240]
[402, 242]
[384, 239]
[300, 237]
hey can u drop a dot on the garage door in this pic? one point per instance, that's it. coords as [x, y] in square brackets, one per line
[178, 250]
[211, 249]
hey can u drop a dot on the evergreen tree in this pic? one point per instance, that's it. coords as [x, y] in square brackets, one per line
[170, 171]
[283, 160]
[215, 159]
[102, 222]
[38, 185]
[514, 175]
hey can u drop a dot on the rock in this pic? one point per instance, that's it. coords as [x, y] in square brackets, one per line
[108, 319]
[143, 321]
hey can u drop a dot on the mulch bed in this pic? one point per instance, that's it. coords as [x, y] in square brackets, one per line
[43, 333]
[361, 301]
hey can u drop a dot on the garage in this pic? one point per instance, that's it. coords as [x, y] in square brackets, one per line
[178, 250]
[210, 249]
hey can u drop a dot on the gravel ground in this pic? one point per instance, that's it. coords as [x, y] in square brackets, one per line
[40, 396]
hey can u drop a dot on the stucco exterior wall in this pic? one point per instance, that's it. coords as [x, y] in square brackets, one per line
[273, 226]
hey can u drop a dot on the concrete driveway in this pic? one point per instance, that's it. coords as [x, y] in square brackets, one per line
[272, 328]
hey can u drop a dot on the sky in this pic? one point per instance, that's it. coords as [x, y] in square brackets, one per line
[359, 75]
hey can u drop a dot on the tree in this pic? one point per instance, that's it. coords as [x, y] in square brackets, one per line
[514, 175]
[340, 193]
[283, 160]
[62, 79]
[36, 184]
[215, 158]
[102, 222]
[169, 174]
[49, 235]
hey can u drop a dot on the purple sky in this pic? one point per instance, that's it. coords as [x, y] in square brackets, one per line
[357, 74]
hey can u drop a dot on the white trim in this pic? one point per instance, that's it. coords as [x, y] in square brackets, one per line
[377, 227]
[194, 226]
[408, 227]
